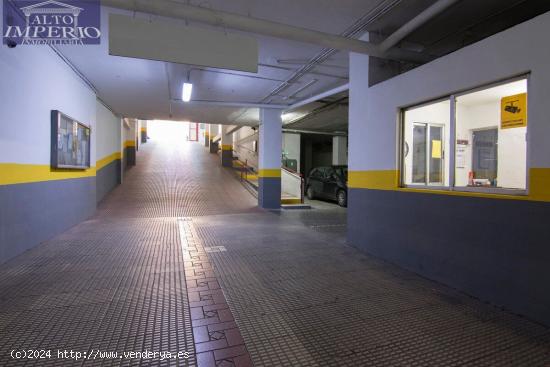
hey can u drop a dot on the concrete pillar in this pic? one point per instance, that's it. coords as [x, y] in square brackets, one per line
[206, 135]
[339, 151]
[227, 146]
[130, 137]
[213, 132]
[143, 131]
[269, 162]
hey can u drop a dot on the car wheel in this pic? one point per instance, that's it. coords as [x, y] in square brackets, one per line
[310, 193]
[342, 198]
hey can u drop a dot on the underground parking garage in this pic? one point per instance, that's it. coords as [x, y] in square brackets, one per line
[304, 183]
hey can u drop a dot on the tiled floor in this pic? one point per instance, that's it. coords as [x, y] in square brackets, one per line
[178, 258]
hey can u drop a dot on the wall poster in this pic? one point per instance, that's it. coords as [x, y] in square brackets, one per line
[70, 146]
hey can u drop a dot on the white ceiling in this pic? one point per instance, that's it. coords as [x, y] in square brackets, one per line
[149, 89]
[144, 89]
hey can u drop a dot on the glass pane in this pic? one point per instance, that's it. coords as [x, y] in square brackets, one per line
[425, 130]
[436, 154]
[419, 154]
[491, 144]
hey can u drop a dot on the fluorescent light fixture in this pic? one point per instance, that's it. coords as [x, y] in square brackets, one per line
[186, 92]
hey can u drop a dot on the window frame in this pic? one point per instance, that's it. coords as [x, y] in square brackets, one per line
[451, 154]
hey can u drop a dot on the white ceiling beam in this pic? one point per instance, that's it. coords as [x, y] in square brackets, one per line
[415, 23]
[178, 10]
[213, 17]
[317, 97]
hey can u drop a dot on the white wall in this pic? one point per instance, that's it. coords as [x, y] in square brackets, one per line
[374, 111]
[291, 146]
[339, 150]
[243, 145]
[34, 81]
[291, 184]
[108, 139]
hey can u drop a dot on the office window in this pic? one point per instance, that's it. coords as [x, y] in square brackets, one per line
[491, 137]
[486, 138]
[425, 143]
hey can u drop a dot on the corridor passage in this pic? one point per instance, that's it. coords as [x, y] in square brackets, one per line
[180, 259]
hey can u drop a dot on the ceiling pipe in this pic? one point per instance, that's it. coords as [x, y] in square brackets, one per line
[279, 67]
[233, 104]
[415, 23]
[301, 89]
[317, 97]
[173, 9]
[234, 129]
[316, 132]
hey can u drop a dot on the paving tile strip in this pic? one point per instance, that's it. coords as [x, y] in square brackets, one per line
[218, 341]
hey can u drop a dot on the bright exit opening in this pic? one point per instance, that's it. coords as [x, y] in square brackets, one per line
[168, 131]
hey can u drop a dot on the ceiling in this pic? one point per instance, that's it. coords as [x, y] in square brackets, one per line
[148, 89]
[494, 94]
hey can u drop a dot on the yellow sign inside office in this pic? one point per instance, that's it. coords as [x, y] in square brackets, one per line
[436, 149]
[513, 111]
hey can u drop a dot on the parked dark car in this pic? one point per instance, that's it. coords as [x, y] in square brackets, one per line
[329, 183]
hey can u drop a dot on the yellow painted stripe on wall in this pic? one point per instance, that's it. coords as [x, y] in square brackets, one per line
[376, 180]
[539, 185]
[269, 173]
[227, 147]
[14, 173]
[129, 143]
[106, 160]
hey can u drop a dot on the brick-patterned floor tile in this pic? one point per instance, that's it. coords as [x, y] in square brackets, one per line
[211, 345]
[230, 352]
[206, 359]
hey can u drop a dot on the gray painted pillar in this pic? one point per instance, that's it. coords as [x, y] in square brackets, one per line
[269, 162]
[213, 132]
[227, 146]
[143, 132]
[206, 135]
[339, 151]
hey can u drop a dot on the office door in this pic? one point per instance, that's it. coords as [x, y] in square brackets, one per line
[485, 154]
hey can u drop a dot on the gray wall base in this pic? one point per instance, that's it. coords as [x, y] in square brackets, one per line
[107, 178]
[213, 147]
[269, 192]
[130, 156]
[32, 213]
[496, 250]
[227, 158]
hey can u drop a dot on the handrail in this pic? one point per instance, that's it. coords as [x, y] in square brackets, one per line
[291, 171]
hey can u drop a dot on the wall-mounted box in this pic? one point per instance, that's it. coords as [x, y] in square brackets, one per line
[163, 41]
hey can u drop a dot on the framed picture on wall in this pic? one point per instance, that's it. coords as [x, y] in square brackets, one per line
[70, 143]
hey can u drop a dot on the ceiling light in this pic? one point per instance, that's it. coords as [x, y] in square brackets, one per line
[186, 92]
